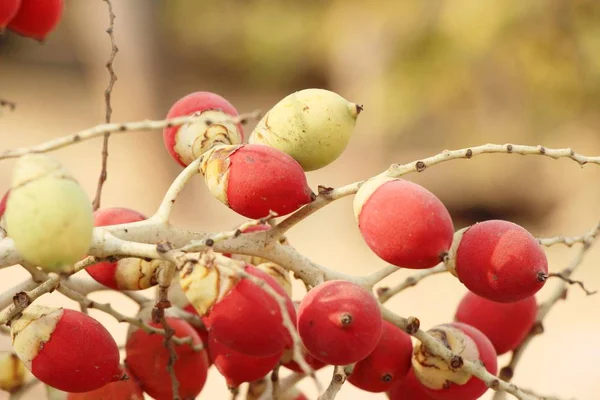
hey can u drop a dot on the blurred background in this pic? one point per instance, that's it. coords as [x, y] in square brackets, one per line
[432, 75]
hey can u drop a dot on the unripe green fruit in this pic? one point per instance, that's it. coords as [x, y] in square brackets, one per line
[312, 125]
[48, 215]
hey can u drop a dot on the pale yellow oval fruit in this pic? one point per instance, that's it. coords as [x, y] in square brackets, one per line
[313, 126]
[48, 215]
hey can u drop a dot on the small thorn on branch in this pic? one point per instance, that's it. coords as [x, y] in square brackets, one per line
[107, 100]
[572, 282]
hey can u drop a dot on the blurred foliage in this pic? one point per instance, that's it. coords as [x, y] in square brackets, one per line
[492, 62]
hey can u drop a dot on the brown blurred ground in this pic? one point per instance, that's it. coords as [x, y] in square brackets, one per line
[432, 75]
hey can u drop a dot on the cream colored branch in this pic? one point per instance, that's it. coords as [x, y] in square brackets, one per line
[397, 170]
[100, 130]
[474, 368]
[169, 199]
[73, 294]
[385, 293]
[340, 375]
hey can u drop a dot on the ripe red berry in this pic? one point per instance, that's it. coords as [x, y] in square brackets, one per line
[37, 18]
[499, 260]
[66, 349]
[445, 382]
[403, 223]
[187, 142]
[127, 273]
[339, 322]
[254, 179]
[505, 324]
[236, 367]
[8, 10]
[387, 364]
[147, 359]
[120, 390]
[237, 312]
[409, 388]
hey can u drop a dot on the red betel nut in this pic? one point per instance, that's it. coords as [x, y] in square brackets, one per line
[499, 260]
[8, 10]
[248, 319]
[238, 312]
[254, 179]
[447, 381]
[505, 324]
[236, 367]
[339, 322]
[121, 390]
[403, 223]
[187, 142]
[387, 364]
[37, 18]
[127, 273]
[147, 359]
[66, 349]
[409, 388]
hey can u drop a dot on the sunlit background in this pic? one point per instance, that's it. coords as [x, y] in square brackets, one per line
[432, 75]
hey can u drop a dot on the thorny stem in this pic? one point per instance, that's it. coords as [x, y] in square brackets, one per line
[107, 100]
[100, 130]
[397, 170]
[386, 293]
[165, 277]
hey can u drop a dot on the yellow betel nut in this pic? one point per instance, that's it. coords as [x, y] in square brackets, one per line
[48, 215]
[313, 126]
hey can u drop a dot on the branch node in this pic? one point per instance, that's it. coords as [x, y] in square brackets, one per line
[413, 325]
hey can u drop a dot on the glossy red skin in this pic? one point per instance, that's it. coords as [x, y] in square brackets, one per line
[147, 358]
[501, 261]
[202, 332]
[189, 104]
[121, 390]
[312, 362]
[409, 388]
[262, 178]
[238, 368]
[475, 387]
[8, 10]
[248, 319]
[321, 329]
[37, 18]
[406, 225]
[104, 272]
[391, 361]
[505, 324]
[3, 203]
[80, 356]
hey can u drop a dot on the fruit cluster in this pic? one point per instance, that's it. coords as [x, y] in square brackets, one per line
[31, 18]
[249, 321]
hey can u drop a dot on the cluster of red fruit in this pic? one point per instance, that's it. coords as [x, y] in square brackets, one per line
[338, 322]
[30, 18]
